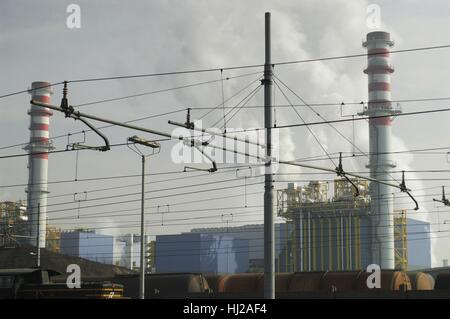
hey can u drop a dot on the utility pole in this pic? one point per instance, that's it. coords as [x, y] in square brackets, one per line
[269, 238]
[142, 260]
[153, 145]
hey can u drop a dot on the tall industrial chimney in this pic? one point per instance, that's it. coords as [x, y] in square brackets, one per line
[38, 162]
[382, 207]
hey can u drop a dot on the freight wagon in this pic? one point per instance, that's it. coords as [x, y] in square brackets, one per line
[35, 283]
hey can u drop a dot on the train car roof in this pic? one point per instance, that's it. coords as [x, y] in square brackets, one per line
[25, 271]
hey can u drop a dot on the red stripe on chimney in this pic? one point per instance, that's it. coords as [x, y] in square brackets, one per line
[40, 155]
[39, 127]
[379, 86]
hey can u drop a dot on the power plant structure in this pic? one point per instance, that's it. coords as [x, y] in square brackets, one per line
[13, 223]
[379, 71]
[347, 232]
[334, 234]
[38, 149]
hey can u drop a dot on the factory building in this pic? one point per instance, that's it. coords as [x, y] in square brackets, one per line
[321, 233]
[336, 234]
[254, 234]
[88, 245]
[123, 250]
[198, 252]
[325, 234]
[419, 244]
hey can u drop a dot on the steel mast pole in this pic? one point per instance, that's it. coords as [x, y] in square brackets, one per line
[39, 235]
[269, 238]
[142, 260]
[137, 140]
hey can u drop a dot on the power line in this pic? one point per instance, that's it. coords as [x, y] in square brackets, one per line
[237, 107]
[328, 104]
[163, 90]
[100, 128]
[148, 192]
[231, 97]
[135, 120]
[184, 203]
[224, 170]
[304, 122]
[122, 211]
[345, 120]
[150, 198]
[145, 75]
[29, 90]
[127, 176]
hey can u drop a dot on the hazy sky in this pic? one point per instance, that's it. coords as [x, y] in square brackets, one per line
[121, 38]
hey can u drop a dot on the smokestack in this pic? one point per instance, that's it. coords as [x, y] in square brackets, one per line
[38, 162]
[379, 72]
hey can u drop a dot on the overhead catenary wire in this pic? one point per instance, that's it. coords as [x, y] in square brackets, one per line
[77, 115]
[137, 119]
[223, 170]
[148, 198]
[122, 211]
[154, 224]
[239, 108]
[163, 90]
[252, 129]
[304, 122]
[148, 192]
[323, 118]
[146, 75]
[363, 118]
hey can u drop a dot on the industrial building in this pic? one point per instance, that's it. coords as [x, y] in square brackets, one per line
[13, 223]
[419, 244]
[206, 253]
[254, 234]
[215, 250]
[123, 251]
[88, 245]
[336, 234]
[320, 234]
[357, 226]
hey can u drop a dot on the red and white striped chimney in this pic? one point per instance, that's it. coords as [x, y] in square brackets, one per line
[380, 136]
[38, 162]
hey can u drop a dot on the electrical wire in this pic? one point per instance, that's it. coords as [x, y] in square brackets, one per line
[304, 122]
[163, 90]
